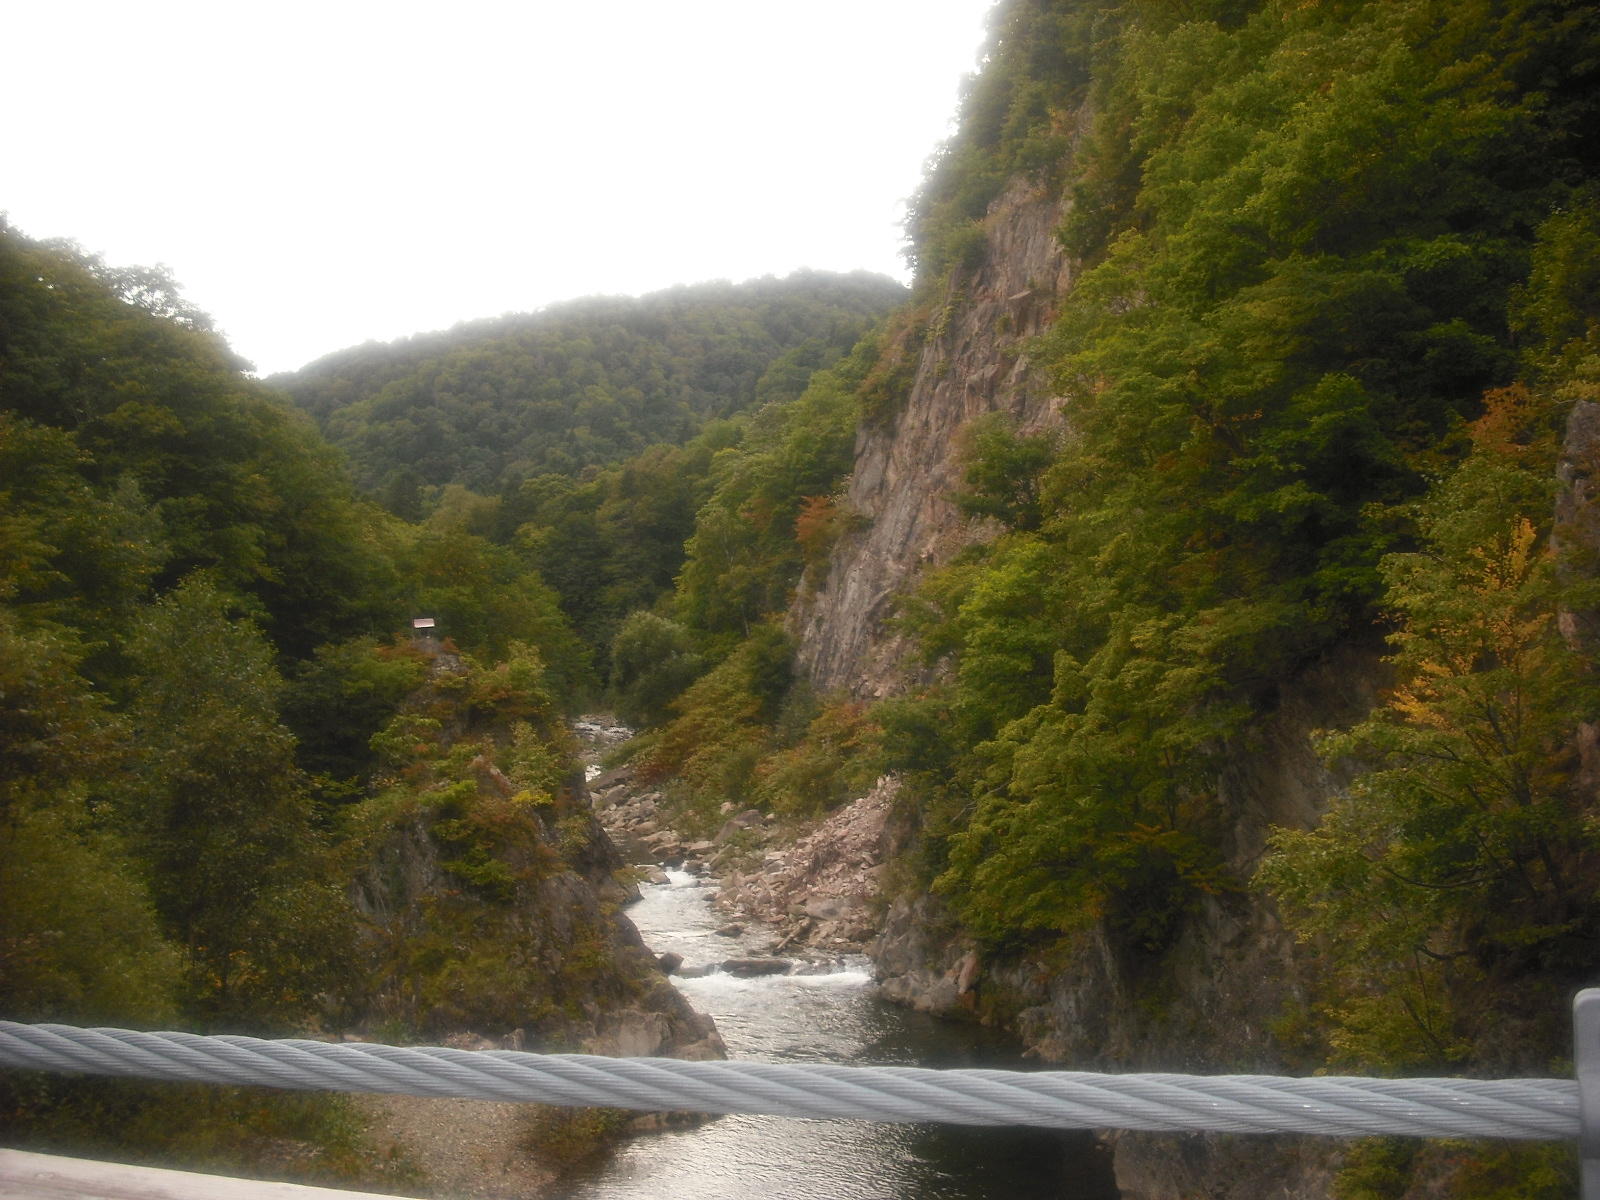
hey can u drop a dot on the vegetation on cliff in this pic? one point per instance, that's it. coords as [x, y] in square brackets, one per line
[585, 438]
[713, 670]
[216, 736]
[1336, 298]
[1289, 317]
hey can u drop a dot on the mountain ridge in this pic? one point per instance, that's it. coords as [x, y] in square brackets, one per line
[584, 383]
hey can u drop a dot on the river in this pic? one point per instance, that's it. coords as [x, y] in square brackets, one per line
[831, 1016]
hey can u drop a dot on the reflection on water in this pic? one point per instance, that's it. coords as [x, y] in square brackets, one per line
[828, 1017]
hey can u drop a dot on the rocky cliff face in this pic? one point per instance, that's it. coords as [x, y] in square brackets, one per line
[598, 989]
[1220, 993]
[972, 363]
[1214, 1002]
[1218, 999]
[493, 917]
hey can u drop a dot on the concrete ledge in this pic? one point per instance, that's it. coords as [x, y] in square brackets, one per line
[25, 1176]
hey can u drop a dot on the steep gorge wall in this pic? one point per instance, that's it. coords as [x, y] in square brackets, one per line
[972, 363]
[1215, 999]
[1214, 1002]
[1223, 998]
[490, 916]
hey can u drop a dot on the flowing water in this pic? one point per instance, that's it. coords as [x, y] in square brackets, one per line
[826, 1017]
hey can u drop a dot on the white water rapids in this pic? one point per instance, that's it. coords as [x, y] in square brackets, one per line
[826, 1017]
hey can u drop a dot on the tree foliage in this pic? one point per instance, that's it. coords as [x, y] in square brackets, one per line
[217, 807]
[614, 545]
[583, 384]
[746, 554]
[188, 581]
[653, 660]
[143, 454]
[1460, 869]
[732, 721]
[1307, 229]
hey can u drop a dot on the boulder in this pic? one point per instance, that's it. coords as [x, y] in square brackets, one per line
[669, 962]
[750, 818]
[610, 779]
[831, 908]
[748, 967]
[630, 1033]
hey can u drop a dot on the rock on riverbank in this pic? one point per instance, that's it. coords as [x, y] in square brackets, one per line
[821, 892]
[818, 893]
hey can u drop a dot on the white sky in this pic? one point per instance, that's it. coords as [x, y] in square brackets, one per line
[317, 174]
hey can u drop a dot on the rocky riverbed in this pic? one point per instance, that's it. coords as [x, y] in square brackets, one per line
[815, 888]
[768, 927]
[815, 891]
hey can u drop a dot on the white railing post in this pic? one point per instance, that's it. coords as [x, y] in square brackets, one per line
[1586, 1059]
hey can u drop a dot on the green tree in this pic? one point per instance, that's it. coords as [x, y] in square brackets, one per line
[1003, 470]
[652, 661]
[143, 453]
[1456, 880]
[1303, 232]
[79, 938]
[486, 596]
[219, 810]
[336, 701]
[745, 556]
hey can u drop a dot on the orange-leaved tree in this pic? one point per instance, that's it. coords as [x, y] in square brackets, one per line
[1456, 877]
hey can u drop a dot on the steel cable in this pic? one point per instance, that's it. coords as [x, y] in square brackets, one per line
[1339, 1106]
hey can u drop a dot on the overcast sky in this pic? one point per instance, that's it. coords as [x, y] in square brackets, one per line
[321, 174]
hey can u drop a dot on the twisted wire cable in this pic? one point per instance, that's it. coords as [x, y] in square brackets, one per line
[1339, 1106]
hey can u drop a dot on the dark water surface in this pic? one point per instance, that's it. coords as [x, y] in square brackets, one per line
[831, 1017]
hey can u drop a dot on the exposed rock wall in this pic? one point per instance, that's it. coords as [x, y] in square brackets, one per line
[1213, 1001]
[971, 364]
[1216, 1001]
[548, 960]
[615, 1002]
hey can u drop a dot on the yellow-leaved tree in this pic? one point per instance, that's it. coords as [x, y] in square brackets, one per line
[1451, 891]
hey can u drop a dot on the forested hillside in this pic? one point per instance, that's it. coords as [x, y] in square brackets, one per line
[583, 384]
[235, 794]
[584, 437]
[1300, 498]
[1336, 295]
[1337, 265]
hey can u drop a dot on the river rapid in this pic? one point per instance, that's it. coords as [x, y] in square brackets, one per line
[828, 1016]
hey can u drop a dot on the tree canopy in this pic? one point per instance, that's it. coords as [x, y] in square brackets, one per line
[583, 384]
